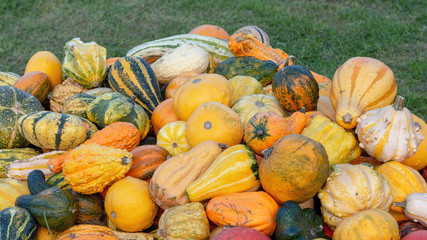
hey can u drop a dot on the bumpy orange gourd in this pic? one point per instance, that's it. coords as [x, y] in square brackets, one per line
[256, 210]
[359, 85]
[211, 31]
[201, 89]
[92, 167]
[162, 115]
[128, 205]
[403, 181]
[122, 135]
[214, 121]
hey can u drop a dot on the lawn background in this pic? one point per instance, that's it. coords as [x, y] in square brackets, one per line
[321, 34]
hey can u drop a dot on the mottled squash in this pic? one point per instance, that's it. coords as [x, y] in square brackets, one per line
[17, 223]
[78, 104]
[145, 160]
[244, 86]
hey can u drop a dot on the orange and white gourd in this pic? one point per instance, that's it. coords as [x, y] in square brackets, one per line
[415, 206]
[359, 85]
[389, 133]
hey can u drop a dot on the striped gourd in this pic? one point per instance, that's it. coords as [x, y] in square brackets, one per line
[9, 155]
[19, 169]
[8, 78]
[172, 138]
[77, 104]
[133, 76]
[359, 85]
[58, 180]
[114, 107]
[257, 32]
[216, 47]
[17, 223]
[234, 170]
[51, 130]
[13, 104]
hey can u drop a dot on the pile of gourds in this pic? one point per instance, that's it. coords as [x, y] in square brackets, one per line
[207, 135]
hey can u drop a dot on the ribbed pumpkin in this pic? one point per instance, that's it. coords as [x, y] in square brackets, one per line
[167, 187]
[187, 221]
[341, 146]
[172, 138]
[145, 160]
[78, 104]
[214, 121]
[295, 87]
[351, 189]
[248, 106]
[54, 207]
[133, 76]
[294, 168]
[418, 161]
[389, 133]
[89, 231]
[403, 181]
[8, 78]
[243, 86]
[211, 31]
[162, 115]
[256, 210]
[359, 85]
[201, 89]
[234, 170]
[35, 83]
[13, 104]
[114, 107]
[257, 32]
[177, 82]
[51, 130]
[92, 167]
[368, 224]
[85, 62]
[17, 223]
[265, 128]
[7, 156]
[10, 189]
[129, 206]
[47, 62]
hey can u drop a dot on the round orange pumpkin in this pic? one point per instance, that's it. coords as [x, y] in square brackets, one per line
[294, 168]
[176, 82]
[162, 115]
[200, 89]
[47, 62]
[214, 121]
[129, 206]
[211, 31]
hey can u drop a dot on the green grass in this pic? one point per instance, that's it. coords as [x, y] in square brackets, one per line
[321, 34]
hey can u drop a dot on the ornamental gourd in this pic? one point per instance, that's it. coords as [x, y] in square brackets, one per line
[62, 92]
[78, 104]
[17, 223]
[92, 167]
[35, 83]
[234, 170]
[389, 133]
[257, 32]
[244, 86]
[418, 161]
[162, 115]
[415, 206]
[90, 231]
[210, 30]
[47, 62]
[198, 90]
[169, 181]
[145, 160]
[177, 82]
[341, 146]
[172, 137]
[351, 189]
[359, 85]
[10, 190]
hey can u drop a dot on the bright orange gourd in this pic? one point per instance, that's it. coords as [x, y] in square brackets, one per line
[162, 115]
[211, 31]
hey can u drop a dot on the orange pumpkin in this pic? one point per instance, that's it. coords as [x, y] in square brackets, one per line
[211, 31]
[256, 210]
[129, 206]
[35, 83]
[176, 82]
[47, 62]
[162, 115]
[214, 121]
[200, 89]
[145, 160]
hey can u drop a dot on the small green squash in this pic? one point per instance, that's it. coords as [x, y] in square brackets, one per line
[37, 182]
[17, 223]
[13, 104]
[133, 76]
[114, 107]
[262, 70]
[295, 87]
[57, 180]
[78, 104]
[54, 207]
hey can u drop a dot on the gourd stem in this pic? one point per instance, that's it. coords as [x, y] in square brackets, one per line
[398, 104]
[399, 204]
[125, 160]
[260, 132]
[302, 110]
[347, 118]
[289, 58]
[223, 145]
[267, 152]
